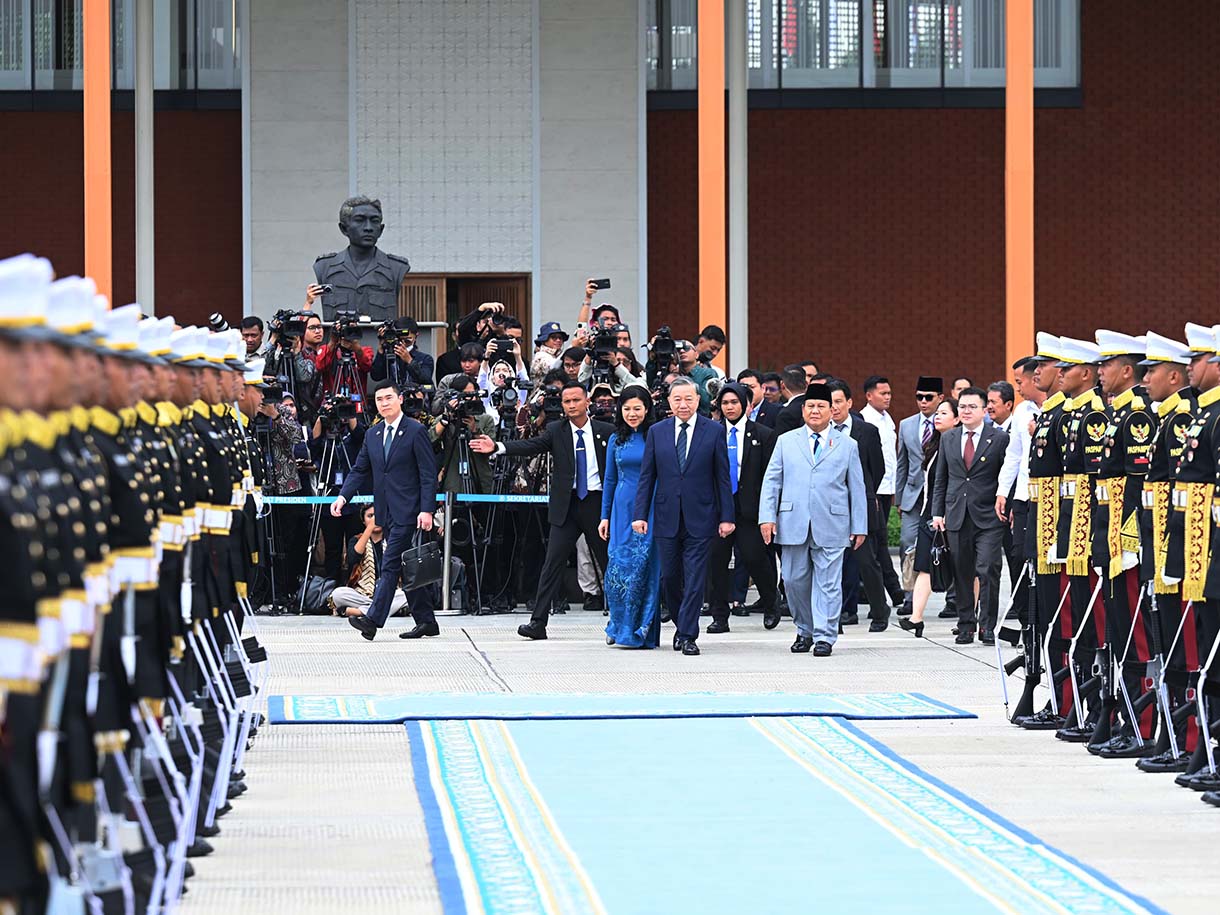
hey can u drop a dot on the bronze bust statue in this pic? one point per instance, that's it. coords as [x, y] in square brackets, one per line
[362, 277]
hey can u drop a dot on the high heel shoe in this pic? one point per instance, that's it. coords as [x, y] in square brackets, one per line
[909, 626]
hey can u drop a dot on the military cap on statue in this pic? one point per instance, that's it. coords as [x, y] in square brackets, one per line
[1048, 347]
[24, 282]
[930, 384]
[1111, 343]
[818, 391]
[1162, 349]
[1077, 352]
[1200, 339]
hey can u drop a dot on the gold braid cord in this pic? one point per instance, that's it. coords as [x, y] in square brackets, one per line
[1117, 487]
[1078, 534]
[1048, 522]
[1160, 535]
[1198, 535]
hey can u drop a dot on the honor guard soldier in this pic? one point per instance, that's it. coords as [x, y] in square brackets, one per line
[1045, 476]
[1190, 537]
[1080, 445]
[1165, 379]
[1122, 660]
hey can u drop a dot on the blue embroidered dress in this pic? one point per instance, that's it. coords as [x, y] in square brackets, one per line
[633, 575]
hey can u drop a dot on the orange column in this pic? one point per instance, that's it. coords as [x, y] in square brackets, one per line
[1019, 182]
[712, 281]
[95, 26]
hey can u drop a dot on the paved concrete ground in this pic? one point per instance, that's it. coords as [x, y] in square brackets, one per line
[331, 822]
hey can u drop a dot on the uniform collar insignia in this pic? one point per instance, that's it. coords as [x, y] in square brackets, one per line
[1053, 401]
[104, 420]
[1169, 404]
[147, 412]
[202, 409]
[1123, 399]
[1208, 398]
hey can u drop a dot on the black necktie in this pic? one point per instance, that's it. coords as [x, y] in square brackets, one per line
[682, 448]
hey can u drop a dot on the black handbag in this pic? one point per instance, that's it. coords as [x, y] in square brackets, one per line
[942, 563]
[423, 564]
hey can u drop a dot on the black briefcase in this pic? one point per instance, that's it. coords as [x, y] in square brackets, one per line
[942, 563]
[423, 564]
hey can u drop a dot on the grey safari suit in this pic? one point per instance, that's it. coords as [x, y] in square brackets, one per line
[373, 292]
[816, 509]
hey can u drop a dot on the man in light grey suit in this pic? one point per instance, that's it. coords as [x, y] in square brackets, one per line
[963, 503]
[909, 476]
[814, 505]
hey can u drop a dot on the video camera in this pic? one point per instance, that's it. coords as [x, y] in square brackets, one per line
[465, 405]
[273, 392]
[337, 409]
[660, 400]
[508, 398]
[347, 325]
[287, 323]
[663, 345]
[412, 400]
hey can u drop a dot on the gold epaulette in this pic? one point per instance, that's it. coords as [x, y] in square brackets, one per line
[1121, 400]
[243, 419]
[60, 421]
[1182, 407]
[221, 409]
[1053, 401]
[105, 421]
[202, 409]
[146, 412]
[38, 430]
[1208, 398]
[80, 418]
[128, 416]
[11, 424]
[1171, 404]
[168, 414]
[1137, 403]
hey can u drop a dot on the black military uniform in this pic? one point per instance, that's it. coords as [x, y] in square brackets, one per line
[368, 290]
[1116, 547]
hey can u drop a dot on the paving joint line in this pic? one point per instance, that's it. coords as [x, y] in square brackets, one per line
[486, 662]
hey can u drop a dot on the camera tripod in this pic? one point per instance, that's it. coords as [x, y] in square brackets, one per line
[322, 481]
[262, 435]
[347, 382]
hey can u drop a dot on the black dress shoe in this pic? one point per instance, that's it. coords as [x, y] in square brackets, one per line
[964, 638]
[532, 631]
[916, 628]
[560, 606]
[420, 631]
[822, 650]
[740, 610]
[366, 626]
[770, 619]
[208, 832]
[678, 640]
[947, 614]
[987, 638]
[1211, 797]
[690, 648]
[878, 626]
[1204, 781]
[666, 616]
[199, 848]
[594, 602]
[715, 627]
[850, 619]
[1164, 762]
[904, 610]
[802, 644]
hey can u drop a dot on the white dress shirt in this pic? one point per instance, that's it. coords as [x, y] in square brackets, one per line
[1016, 457]
[391, 430]
[889, 445]
[594, 477]
[690, 433]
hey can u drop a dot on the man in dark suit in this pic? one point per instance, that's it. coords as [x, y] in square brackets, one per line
[749, 447]
[861, 565]
[963, 503]
[687, 459]
[577, 445]
[398, 457]
[758, 408]
[792, 416]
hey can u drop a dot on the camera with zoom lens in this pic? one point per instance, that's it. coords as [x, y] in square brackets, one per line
[663, 345]
[660, 401]
[603, 345]
[287, 323]
[465, 405]
[347, 325]
[273, 392]
[412, 400]
[337, 409]
[508, 398]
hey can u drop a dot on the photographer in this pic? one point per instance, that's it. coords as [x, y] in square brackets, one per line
[469, 329]
[286, 356]
[334, 445]
[711, 341]
[364, 568]
[497, 369]
[344, 344]
[605, 314]
[276, 424]
[605, 361]
[463, 409]
[399, 358]
[252, 331]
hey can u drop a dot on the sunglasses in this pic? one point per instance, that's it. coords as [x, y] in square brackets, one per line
[926, 396]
